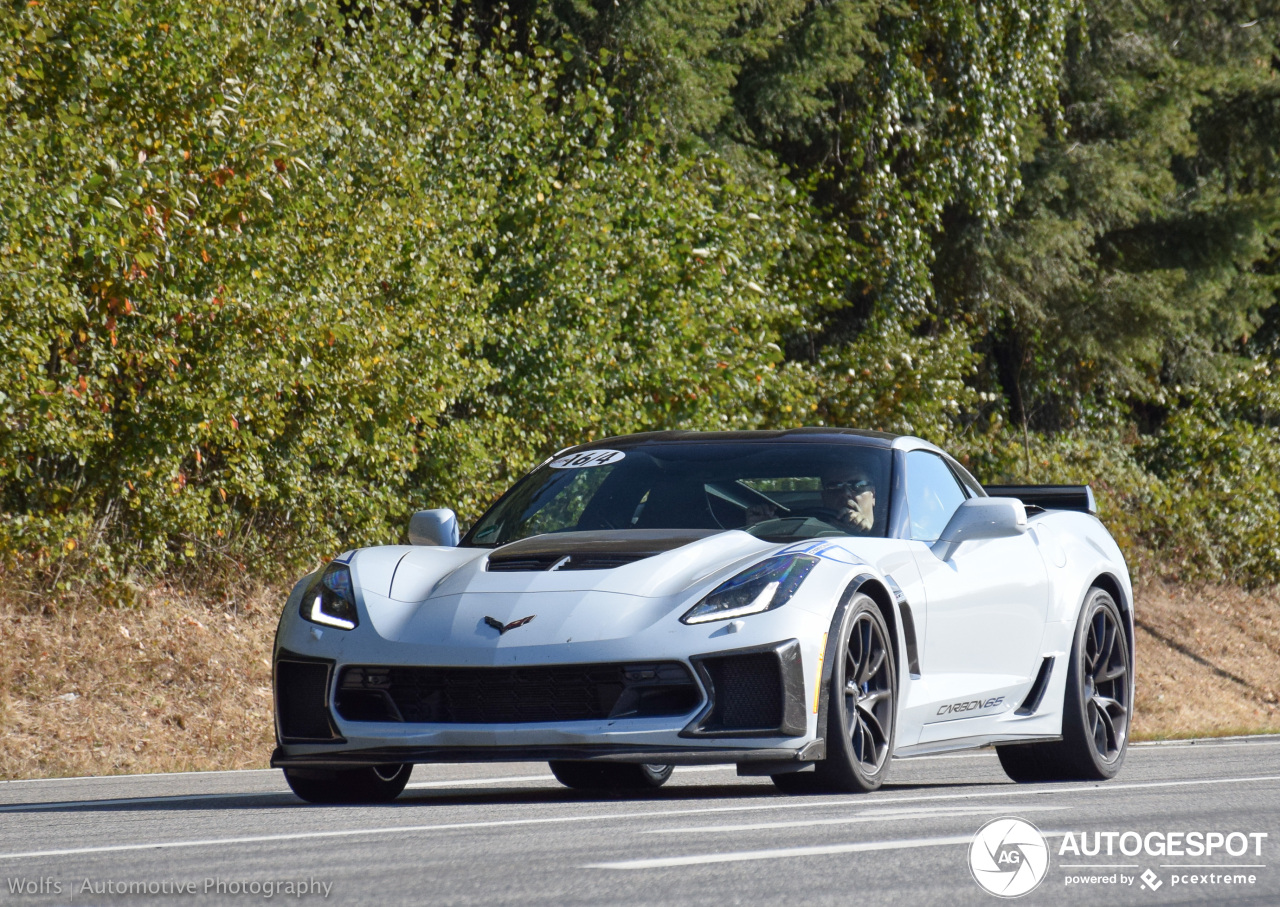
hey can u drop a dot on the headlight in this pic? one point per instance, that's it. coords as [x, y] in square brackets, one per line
[767, 585]
[332, 601]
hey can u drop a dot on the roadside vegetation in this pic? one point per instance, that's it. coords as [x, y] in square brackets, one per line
[183, 681]
[274, 275]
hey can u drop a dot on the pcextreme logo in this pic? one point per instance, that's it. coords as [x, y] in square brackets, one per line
[1008, 857]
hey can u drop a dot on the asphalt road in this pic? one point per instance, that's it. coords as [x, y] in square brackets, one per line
[509, 834]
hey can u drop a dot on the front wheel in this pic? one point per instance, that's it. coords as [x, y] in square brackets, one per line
[861, 709]
[371, 784]
[1095, 708]
[611, 776]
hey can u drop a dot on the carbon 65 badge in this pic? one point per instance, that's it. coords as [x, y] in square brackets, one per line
[1008, 857]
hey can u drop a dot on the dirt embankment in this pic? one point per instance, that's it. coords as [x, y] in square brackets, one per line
[1208, 661]
[184, 684]
[175, 685]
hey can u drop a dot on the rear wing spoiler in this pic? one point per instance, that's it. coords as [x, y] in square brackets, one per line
[1048, 497]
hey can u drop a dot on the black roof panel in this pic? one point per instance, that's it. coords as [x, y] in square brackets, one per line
[856, 436]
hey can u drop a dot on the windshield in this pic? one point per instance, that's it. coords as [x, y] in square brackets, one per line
[775, 490]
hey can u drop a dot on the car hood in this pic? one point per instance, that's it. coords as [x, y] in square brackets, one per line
[623, 582]
[648, 563]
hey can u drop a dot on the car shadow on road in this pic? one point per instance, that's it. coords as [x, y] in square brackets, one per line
[514, 795]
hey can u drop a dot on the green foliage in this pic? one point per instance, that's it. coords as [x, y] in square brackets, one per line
[276, 274]
[228, 237]
[1137, 254]
[294, 276]
[1220, 459]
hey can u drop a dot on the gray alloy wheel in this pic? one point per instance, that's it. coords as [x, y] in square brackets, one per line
[1096, 708]
[613, 776]
[371, 784]
[861, 705]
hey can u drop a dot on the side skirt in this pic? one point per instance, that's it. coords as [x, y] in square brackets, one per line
[969, 743]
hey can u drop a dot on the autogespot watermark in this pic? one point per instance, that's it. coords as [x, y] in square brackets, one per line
[1009, 857]
[86, 887]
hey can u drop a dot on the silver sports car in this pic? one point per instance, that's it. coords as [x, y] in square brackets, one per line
[804, 604]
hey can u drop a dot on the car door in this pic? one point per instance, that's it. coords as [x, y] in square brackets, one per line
[986, 604]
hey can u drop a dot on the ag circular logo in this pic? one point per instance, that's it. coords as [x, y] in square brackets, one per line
[1008, 857]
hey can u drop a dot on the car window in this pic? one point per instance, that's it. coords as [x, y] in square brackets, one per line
[971, 486]
[933, 494]
[553, 508]
[776, 491]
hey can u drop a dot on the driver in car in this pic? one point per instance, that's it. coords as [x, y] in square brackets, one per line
[848, 499]
[851, 496]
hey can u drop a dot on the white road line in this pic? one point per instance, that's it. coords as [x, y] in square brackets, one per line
[780, 853]
[132, 801]
[786, 852]
[800, 803]
[1254, 740]
[224, 771]
[184, 798]
[1258, 739]
[348, 832]
[1219, 742]
[871, 815]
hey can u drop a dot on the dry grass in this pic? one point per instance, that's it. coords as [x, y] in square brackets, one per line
[178, 684]
[1208, 662]
[182, 683]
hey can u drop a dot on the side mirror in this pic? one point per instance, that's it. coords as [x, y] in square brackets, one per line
[434, 527]
[981, 518]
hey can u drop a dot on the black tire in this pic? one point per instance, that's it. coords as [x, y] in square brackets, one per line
[861, 709]
[610, 776]
[799, 783]
[372, 784]
[1095, 710]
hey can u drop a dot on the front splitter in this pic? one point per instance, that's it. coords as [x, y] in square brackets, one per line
[584, 753]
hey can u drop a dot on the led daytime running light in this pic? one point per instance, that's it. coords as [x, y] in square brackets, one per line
[317, 614]
[763, 587]
[331, 602]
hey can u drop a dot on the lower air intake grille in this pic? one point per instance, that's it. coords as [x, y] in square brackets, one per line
[301, 694]
[755, 692]
[433, 695]
[748, 691]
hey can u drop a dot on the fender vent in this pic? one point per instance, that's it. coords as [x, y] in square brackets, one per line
[1036, 693]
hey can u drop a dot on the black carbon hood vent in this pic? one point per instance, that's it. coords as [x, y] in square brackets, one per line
[602, 550]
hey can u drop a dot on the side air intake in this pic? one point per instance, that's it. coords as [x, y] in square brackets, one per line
[1036, 693]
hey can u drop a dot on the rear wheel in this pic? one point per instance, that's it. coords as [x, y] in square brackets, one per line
[372, 784]
[1095, 708]
[861, 707]
[615, 776]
